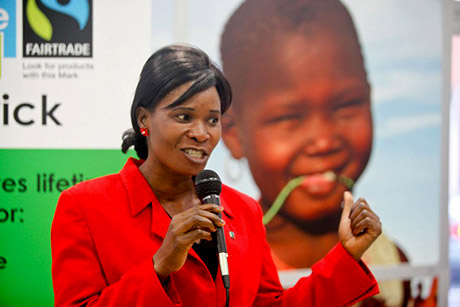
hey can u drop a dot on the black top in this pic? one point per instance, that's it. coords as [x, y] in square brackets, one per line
[207, 250]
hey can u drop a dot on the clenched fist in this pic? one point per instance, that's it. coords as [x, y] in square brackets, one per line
[359, 226]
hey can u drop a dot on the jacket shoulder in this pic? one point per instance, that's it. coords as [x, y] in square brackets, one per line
[231, 192]
[98, 188]
[240, 202]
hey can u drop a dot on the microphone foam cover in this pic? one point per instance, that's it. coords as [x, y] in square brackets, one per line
[207, 182]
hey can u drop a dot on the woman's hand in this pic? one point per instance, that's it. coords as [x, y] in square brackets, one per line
[359, 226]
[185, 229]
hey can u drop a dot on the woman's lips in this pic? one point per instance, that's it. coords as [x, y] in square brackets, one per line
[320, 184]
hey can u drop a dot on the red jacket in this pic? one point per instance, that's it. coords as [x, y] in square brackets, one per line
[105, 232]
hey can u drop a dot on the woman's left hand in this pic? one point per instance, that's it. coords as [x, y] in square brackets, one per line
[359, 226]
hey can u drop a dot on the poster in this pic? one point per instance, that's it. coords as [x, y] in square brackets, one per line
[402, 59]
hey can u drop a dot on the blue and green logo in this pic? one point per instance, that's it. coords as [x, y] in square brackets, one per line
[8, 28]
[57, 28]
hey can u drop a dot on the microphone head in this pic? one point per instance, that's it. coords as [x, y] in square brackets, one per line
[207, 182]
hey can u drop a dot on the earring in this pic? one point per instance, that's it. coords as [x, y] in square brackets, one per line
[144, 132]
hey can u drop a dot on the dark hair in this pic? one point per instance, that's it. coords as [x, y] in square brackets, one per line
[165, 70]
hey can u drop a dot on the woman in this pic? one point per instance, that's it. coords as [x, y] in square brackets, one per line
[138, 238]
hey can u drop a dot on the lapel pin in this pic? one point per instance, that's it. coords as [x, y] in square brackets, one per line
[231, 234]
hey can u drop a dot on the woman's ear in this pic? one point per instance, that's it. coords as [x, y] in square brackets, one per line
[231, 134]
[143, 117]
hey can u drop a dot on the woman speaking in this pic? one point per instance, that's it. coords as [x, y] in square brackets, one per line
[142, 237]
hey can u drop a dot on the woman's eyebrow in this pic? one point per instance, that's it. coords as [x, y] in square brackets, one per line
[183, 108]
[192, 109]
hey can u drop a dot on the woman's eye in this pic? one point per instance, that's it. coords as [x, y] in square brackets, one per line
[183, 117]
[213, 121]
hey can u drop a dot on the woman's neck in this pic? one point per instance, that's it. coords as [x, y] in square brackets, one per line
[176, 192]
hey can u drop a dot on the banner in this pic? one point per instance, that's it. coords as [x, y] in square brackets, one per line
[68, 74]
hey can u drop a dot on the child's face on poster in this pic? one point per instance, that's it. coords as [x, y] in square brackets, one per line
[305, 111]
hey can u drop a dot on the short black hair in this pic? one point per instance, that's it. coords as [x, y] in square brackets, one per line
[165, 70]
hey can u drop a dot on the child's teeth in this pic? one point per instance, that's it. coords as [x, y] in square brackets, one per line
[329, 176]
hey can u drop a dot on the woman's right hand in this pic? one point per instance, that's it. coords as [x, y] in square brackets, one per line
[185, 229]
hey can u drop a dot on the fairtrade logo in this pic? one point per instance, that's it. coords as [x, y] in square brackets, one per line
[57, 28]
[41, 25]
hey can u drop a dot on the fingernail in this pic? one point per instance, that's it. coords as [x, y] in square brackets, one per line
[223, 222]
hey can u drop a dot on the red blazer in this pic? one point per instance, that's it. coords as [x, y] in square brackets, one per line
[105, 232]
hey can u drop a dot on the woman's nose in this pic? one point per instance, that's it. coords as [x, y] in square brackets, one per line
[198, 132]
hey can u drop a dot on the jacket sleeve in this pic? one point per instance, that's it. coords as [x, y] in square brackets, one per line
[336, 280]
[78, 278]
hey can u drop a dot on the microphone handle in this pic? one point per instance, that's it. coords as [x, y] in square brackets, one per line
[221, 245]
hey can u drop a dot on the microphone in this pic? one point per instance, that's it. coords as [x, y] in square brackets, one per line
[208, 187]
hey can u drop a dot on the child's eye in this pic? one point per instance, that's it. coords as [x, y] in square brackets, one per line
[349, 108]
[285, 118]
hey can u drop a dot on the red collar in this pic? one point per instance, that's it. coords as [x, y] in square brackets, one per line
[139, 191]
